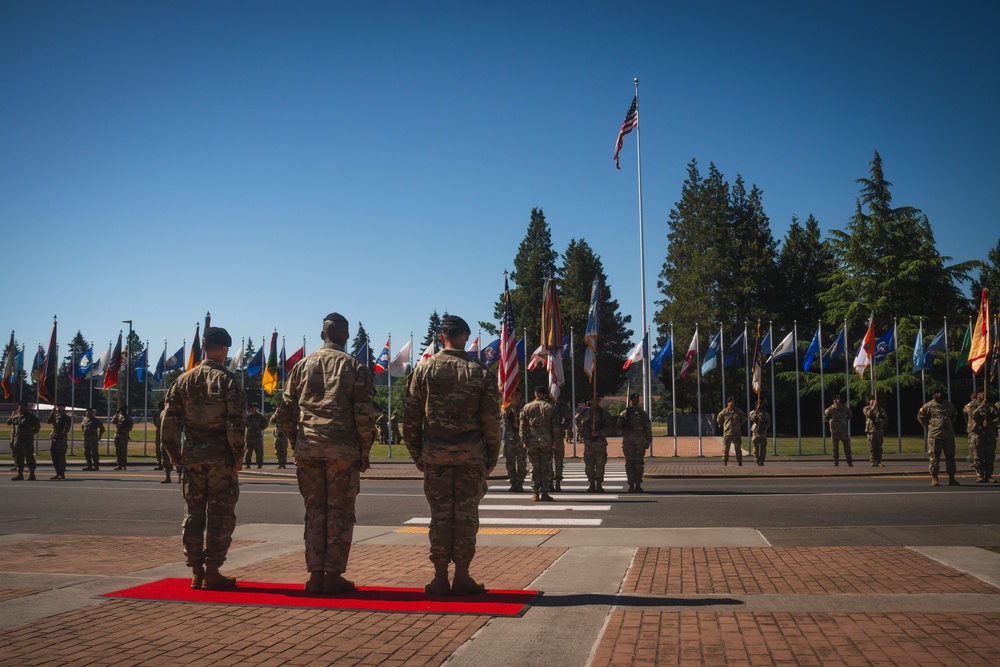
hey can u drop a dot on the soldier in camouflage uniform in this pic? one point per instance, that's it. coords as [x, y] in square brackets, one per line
[970, 429]
[514, 452]
[837, 416]
[93, 429]
[559, 449]
[280, 444]
[937, 416]
[451, 426]
[986, 419]
[123, 424]
[637, 436]
[162, 457]
[25, 426]
[256, 423]
[61, 425]
[328, 414]
[540, 432]
[875, 419]
[382, 428]
[594, 425]
[760, 423]
[208, 403]
[731, 420]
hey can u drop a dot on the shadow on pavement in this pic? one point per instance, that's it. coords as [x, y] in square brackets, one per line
[585, 599]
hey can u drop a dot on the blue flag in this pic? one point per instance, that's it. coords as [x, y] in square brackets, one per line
[490, 354]
[714, 349]
[256, 365]
[141, 366]
[83, 365]
[735, 355]
[362, 354]
[885, 344]
[811, 352]
[565, 346]
[837, 349]
[666, 352]
[938, 344]
[520, 351]
[918, 352]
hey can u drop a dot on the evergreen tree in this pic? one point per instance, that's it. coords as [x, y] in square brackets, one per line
[802, 262]
[534, 263]
[66, 388]
[433, 332]
[360, 338]
[989, 277]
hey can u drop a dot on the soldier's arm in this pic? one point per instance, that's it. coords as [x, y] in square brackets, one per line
[100, 428]
[173, 416]
[648, 427]
[489, 411]
[364, 410]
[413, 418]
[236, 421]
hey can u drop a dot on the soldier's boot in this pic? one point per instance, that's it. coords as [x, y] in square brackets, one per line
[952, 481]
[18, 478]
[215, 580]
[167, 480]
[934, 480]
[592, 488]
[545, 497]
[559, 485]
[315, 583]
[31, 476]
[725, 460]
[980, 480]
[439, 584]
[464, 584]
[600, 489]
[638, 488]
[55, 476]
[334, 584]
[534, 497]
[631, 487]
[513, 487]
[197, 575]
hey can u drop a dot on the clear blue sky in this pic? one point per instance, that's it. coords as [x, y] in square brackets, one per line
[272, 162]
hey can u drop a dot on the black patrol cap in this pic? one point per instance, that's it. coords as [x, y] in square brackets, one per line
[336, 318]
[218, 336]
[836, 397]
[937, 390]
[453, 324]
[730, 400]
[541, 389]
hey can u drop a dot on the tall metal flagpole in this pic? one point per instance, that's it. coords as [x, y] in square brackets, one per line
[646, 374]
[388, 384]
[947, 359]
[923, 360]
[774, 413]
[822, 385]
[264, 356]
[746, 379]
[899, 418]
[798, 395]
[722, 364]
[524, 385]
[847, 371]
[128, 366]
[90, 376]
[145, 401]
[673, 389]
[974, 390]
[697, 375]
[572, 375]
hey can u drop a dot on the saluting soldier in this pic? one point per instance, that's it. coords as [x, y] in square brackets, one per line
[986, 418]
[875, 419]
[637, 436]
[731, 420]
[93, 429]
[256, 423]
[58, 441]
[123, 425]
[25, 426]
[837, 416]
[970, 429]
[280, 444]
[938, 416]
[594, 425]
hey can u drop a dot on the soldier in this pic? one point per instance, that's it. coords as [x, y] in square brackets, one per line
[986, 419]
[970, 428]
[875, 419]
[328, 414]
[558, 449]
[209, 404]
[594, 424]
[837, 416]
[93, 429]
[637, 436]
[540, 432]
[256, 423]
[382, 428]
[937, 416]
[394, 430]
[162, 457]
[61, 425]
[760, 422]
[280, 445]
[451, 425]
[123, 424]
[26, 425]
[514, 452]
[731, 420]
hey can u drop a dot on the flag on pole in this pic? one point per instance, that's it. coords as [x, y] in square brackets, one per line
[256, 364]
[690, 354]
[99, 366]
[508, 374]
[638, 353]
[282, 373]
[918, 352]
[113, 367]
[8, 368]
[593, 328]
[36, 364]
[837, 348]
[785, 347]
[666, 352]
[473, 350]
[938, 344]
[428, 353]
[539, 356]
[631, 121]
[269, 382]
[714, 349]
[885, 344]
[401, 362]
[963, 355]
[979, 350]
[757, 373]
[141, 366]
[294, 359]
[362, 354]
[237, 361]
[765, 345]
[735, 355]
[811, 352]
[863, 359]
[195, 358]
[382, 362]
[551, 337]
[47, 385]
[84, 364]
[489, 354]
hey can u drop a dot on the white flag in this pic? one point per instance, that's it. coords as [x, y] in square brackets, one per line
[786, 347]
[427, 354]
[401, 362]
[234, 365]
[539, 356]
[101, 363]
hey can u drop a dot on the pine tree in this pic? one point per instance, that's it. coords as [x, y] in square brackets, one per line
[433, 331]
[360, 338]
[989, 277]
[534, 263]
[65, 392]
[802, 262]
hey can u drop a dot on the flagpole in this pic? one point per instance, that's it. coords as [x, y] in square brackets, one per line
[646, 378]
[263, 343]
[847, 372]
[388, 386]
[72, 399]
[107, 399]
[746, 378]
[947, 360]
[145, 403]
[572, 375]
[974, 391]
[899, 418]
[90, 376]
[722, 364]
[697, 375]
[798, 395]
[774, 412]
[525, 385]
[673, 389]
[923, 363]
[243, 344]
[822, 383]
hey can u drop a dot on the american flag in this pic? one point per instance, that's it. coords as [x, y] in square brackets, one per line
[631, 120]
[509, 376]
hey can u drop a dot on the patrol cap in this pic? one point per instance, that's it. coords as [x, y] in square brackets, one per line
[337, 318]
[729, 400]
[218, 336]
[633, 396]
[937, 390]
[541, 389]
[836, 397]
[453, 324]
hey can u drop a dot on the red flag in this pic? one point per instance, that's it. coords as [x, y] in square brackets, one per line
[509, 376]
[47, 381]
[295, 358]
[631, 120]
[690, 354]
[866, 353]
[114, 366]
[8, 367]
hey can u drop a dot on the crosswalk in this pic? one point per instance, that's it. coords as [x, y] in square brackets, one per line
[497, 510]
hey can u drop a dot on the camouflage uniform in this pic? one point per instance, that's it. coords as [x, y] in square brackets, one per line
[256, 423]
[93, 429]
[838, 418]
[26, 425]
[637, 434]
[162, 458]
[937, 418]
[559, 449]
[875, 419]
[986, 419]
[451, 426]
[540, 432]
[123, 424]
[514, 452]
[970, 428]
[760, 423]
[731, 421]
[594, 425]
[208, 403]
[328, 414]
[61, 424]
[280, 445]
[382, 428]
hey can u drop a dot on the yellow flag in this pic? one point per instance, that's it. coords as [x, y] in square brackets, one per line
[979, 351]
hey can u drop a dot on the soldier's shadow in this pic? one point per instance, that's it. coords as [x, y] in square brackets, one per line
[588, 599]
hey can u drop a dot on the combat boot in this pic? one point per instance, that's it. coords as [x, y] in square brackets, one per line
[545, 497]
[439, 585]
[534, 497]
[600, 489]
[215, 580]
[952, 481]
[197, 575]
[980, 480]
[334, 584]
[592, 488]
[464, 584]
[631, 487]
[315, 583]
[513, 487]
[18, 478]
[31, 476]
[559, 485]
[638, 488]
[934, 480]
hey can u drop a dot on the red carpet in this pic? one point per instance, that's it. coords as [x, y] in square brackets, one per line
[366, 598]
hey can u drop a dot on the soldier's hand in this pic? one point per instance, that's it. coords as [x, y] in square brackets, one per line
[489, 471]
[420, 465]
[239, 466]
[365, 464]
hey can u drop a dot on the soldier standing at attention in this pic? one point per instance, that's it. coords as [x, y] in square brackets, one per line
[970, 428]
[256, 423]
[937, 416]
[540, 432]
[93, 429]
[26, 425]
[837, 416]
[382, 428]
[162, 457]
[559, 449]
[875, 419]
[451, 426]
[280, 444]
[123, 424]
[637, 436]
[328, 414]
[209, 404]
[595, 424]
[986, 418]
[514, 452]
[760, 423]
[61, 424]
[731, 420]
